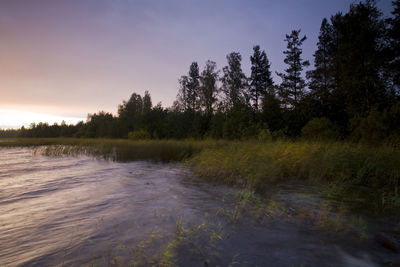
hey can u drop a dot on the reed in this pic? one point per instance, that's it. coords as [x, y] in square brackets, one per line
[116, 149]
[345, 167]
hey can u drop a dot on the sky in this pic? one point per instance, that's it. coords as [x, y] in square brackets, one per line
[63, 59]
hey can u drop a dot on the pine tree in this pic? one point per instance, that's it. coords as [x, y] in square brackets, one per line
[260, 79]
[322, 78]
[292, 88]
[233, 80]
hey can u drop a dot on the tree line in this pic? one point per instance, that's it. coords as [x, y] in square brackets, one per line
[351, 92]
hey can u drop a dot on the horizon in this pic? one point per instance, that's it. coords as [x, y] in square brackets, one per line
[76, 58]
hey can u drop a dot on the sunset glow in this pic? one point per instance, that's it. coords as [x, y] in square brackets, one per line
[86, 56]
[10, 118]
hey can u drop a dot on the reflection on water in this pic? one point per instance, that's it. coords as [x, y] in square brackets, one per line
[78, 210]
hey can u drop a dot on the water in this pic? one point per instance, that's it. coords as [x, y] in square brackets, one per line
[76, 211]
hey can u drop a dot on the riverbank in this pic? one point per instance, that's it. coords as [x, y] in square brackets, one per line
[342, 170]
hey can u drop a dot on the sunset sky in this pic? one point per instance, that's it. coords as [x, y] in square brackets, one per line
[65, 59]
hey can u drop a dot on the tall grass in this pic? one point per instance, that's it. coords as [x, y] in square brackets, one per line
[255, 165]
[116, 149]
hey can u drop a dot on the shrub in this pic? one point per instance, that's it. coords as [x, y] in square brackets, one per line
[264, 135]
[372, 129]
[320, 129]
[139, 135]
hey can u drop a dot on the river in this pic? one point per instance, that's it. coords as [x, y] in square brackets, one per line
[77, 211]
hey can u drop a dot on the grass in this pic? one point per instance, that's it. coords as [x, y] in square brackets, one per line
[116, 149]
[255, 164]
[344, 169]
[368, 175]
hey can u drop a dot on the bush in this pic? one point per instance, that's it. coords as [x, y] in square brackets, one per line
[264, 135]
[372, 129]
[320, 129]
[139, 135]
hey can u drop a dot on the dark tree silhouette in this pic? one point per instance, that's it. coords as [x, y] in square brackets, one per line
[193, 87]
[233, 81]
[322, 79]
[188, 95]
[147, 104]
[359, 59]
[260, 79]
[208, 87]
[394, 57]
[292, 88]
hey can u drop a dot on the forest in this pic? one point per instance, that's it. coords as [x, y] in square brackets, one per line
[351, 93]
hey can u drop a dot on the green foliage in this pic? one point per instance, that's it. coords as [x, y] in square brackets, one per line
[371, 129]
[320, 129]
[116, 149]
[139, 135]
[271, 112]
[254, 164]
[251, 164]
[264, 135]
[378, 127]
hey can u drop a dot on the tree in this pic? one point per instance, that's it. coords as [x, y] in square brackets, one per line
[208, 86]
[181, 102]
[147, 104]
[130, 113]
[193, 86]
[260, 79]
[233, 80]
[271, 111]
[188, 95]
[394, 37]
[322, 78]
[359, 59]
[291, 90]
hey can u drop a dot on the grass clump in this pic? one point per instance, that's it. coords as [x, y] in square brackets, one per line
[254, 165]
[116, 149]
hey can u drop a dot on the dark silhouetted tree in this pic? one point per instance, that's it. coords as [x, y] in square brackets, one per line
[188, 95]
[193, 87]
[208, 87]
[260, 79]
[322, 78]
[182, 102]
[359, 60]
[233, 81]
[394, 56]
[130, 113]
[271, 111]
[147, 104]
[292, 88]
